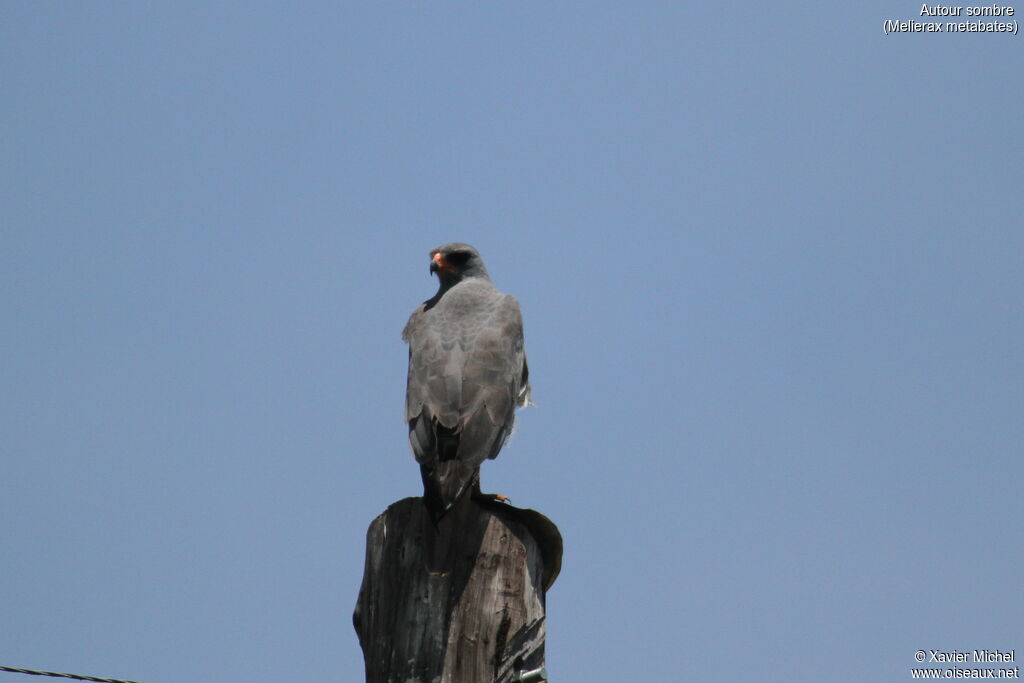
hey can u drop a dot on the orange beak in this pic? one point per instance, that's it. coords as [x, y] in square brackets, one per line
[439, 263]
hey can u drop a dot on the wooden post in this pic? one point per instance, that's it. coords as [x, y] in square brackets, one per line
[459, 601]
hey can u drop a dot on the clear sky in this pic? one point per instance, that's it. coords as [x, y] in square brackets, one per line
[770, 266]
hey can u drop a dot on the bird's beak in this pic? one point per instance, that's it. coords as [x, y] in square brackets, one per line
[437, 263]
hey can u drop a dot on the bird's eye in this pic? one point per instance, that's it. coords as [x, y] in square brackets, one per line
[457, 258]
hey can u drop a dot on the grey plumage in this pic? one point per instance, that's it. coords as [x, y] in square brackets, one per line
[467, 375]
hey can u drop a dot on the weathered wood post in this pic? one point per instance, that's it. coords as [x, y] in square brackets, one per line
[457, 601]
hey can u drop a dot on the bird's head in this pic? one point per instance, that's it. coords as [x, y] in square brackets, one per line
[455, 262]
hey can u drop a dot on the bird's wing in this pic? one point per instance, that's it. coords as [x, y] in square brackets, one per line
[493, 382]
[435, 368]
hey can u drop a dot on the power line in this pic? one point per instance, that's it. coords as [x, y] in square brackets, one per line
[54, 674]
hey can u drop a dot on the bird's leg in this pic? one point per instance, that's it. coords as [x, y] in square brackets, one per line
[491, 497]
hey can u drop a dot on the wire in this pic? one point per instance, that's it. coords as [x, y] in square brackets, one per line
[54, 674]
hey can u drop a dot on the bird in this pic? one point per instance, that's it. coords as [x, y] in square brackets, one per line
[467, 375]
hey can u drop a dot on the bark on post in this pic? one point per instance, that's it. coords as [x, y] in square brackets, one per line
[461, 601]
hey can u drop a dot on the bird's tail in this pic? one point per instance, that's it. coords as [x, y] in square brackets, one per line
[445, 482]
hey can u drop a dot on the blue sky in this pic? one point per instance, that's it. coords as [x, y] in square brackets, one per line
[769, 262]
